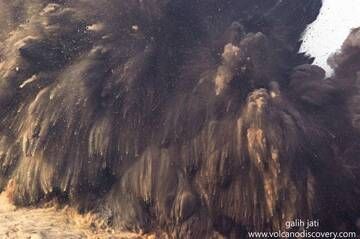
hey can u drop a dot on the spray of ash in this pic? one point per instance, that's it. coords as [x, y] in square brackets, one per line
[193, 117]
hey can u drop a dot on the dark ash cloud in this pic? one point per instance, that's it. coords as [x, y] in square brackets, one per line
[195, 117]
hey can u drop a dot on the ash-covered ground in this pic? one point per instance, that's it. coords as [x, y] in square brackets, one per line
[52, 222]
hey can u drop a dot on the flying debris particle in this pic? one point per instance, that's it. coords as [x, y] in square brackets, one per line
[274, 89]
[97, 27]
[135, 28]
[28, 81]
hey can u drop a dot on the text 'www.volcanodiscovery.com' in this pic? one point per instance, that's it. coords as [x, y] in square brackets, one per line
[303, 234]
[300, 228]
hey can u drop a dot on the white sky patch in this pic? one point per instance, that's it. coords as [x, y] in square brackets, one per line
[326, 35]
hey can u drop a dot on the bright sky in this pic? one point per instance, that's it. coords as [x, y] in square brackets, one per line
[327, 33]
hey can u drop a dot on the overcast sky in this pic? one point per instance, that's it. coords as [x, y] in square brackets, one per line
[327, 33]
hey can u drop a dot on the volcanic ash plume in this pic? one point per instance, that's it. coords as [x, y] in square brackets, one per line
[193, 118]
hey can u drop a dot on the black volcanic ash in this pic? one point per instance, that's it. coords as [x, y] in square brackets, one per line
[192, 117]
